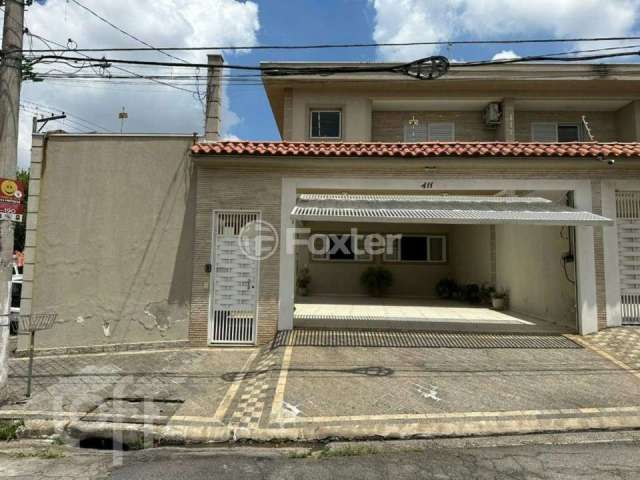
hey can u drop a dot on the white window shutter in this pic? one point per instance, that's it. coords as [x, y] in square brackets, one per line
[415, 133]
[441, 132]
[544, 132]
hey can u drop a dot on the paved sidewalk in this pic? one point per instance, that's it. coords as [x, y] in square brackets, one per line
[319, 384]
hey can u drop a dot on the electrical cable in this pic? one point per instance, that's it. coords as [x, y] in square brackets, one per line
[357, 45]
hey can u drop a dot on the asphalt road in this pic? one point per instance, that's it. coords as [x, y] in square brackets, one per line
[587, 455]
[590, 461]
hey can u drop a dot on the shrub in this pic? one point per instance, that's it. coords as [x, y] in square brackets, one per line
[376, 280]
[446, 289]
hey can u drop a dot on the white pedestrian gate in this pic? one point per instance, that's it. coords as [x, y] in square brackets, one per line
[234, 276]
[628, 220]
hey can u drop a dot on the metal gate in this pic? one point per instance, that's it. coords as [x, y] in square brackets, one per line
[234, 277]
[628, 220]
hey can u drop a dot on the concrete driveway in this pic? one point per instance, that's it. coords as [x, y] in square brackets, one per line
[313, 384]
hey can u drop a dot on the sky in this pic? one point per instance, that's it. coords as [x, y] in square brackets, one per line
[154, 108]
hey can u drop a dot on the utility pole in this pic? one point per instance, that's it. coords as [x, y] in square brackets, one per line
[10, 79]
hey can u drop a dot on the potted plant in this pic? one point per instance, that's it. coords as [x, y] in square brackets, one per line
[486, 292]
[303, 281]
[446, 289]
[498, 300]
[376, 280]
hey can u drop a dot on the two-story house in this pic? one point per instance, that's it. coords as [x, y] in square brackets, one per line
[523, 179]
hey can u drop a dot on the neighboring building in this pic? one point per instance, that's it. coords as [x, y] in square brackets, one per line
[135, 238]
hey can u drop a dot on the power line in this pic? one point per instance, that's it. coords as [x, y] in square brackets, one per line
[253, 77]
[424, 68]
[124, 32]
[405, 68]
[45, 40]
[79, 118]
[354, 45]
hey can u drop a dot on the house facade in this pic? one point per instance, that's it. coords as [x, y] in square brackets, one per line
[524, 179]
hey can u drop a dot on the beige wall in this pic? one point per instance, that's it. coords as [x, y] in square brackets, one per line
[255, 183]
[114, 239]
[389, 126]
[603, 124]
[360, 123]
[628, 122]
[356, 114]
[343, 277]
[471, 254]
[529, 269]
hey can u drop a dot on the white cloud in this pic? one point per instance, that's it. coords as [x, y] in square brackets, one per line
[505, 55]
[442, 20]
[151, 108]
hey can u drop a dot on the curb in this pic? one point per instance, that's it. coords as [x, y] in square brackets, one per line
[128, 433]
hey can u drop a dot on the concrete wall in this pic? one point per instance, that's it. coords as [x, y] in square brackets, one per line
[529, 268]
[343, 277]
[356, 114]
[471, 254]
[114, 239]
[603, 124]
[389, 126]
[628, 122]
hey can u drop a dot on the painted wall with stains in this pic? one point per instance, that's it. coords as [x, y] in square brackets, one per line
[114, 239]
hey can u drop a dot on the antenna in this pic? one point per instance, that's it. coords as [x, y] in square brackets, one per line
[123, 116]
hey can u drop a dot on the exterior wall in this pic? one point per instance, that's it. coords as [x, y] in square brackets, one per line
[256, 184]
[389, 126]
[236, 188]
[603, 124]
[356, 114]
[114, 239]
[628, 122]
[529, 269]
[409, 279]
[472, 258]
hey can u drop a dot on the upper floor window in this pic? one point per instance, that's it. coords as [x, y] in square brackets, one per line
[549, 132]
[325, 124]
[431, 132]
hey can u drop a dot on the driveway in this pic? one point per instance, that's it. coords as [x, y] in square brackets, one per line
[313, 384]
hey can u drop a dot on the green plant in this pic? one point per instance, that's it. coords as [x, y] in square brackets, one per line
[9, 429]
[486, 293]
[376, 280]
[304, 278]
[446, 289]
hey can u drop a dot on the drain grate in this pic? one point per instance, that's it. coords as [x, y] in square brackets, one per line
[415, 339]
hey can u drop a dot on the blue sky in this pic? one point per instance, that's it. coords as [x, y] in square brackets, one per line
[154, 108]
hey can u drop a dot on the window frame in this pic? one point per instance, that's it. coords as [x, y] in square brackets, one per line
[453, 131]
[427, 237]
[325, 110]
[557, 126]
[569, 124]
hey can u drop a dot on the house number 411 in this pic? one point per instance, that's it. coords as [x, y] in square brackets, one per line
[427, 185]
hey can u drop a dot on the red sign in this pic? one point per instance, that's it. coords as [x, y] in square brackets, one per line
[11, 199]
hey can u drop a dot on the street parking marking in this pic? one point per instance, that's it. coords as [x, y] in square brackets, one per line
[233, 389]
[278, 400]
[465, 415]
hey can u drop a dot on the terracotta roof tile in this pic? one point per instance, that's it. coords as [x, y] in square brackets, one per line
[428, 149]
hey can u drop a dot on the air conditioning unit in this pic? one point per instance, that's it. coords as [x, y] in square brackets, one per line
[492, 114]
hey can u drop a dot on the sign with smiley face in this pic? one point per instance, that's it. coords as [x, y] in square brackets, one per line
[11, 199]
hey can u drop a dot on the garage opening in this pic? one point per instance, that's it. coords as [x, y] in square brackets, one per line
[490, 262]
